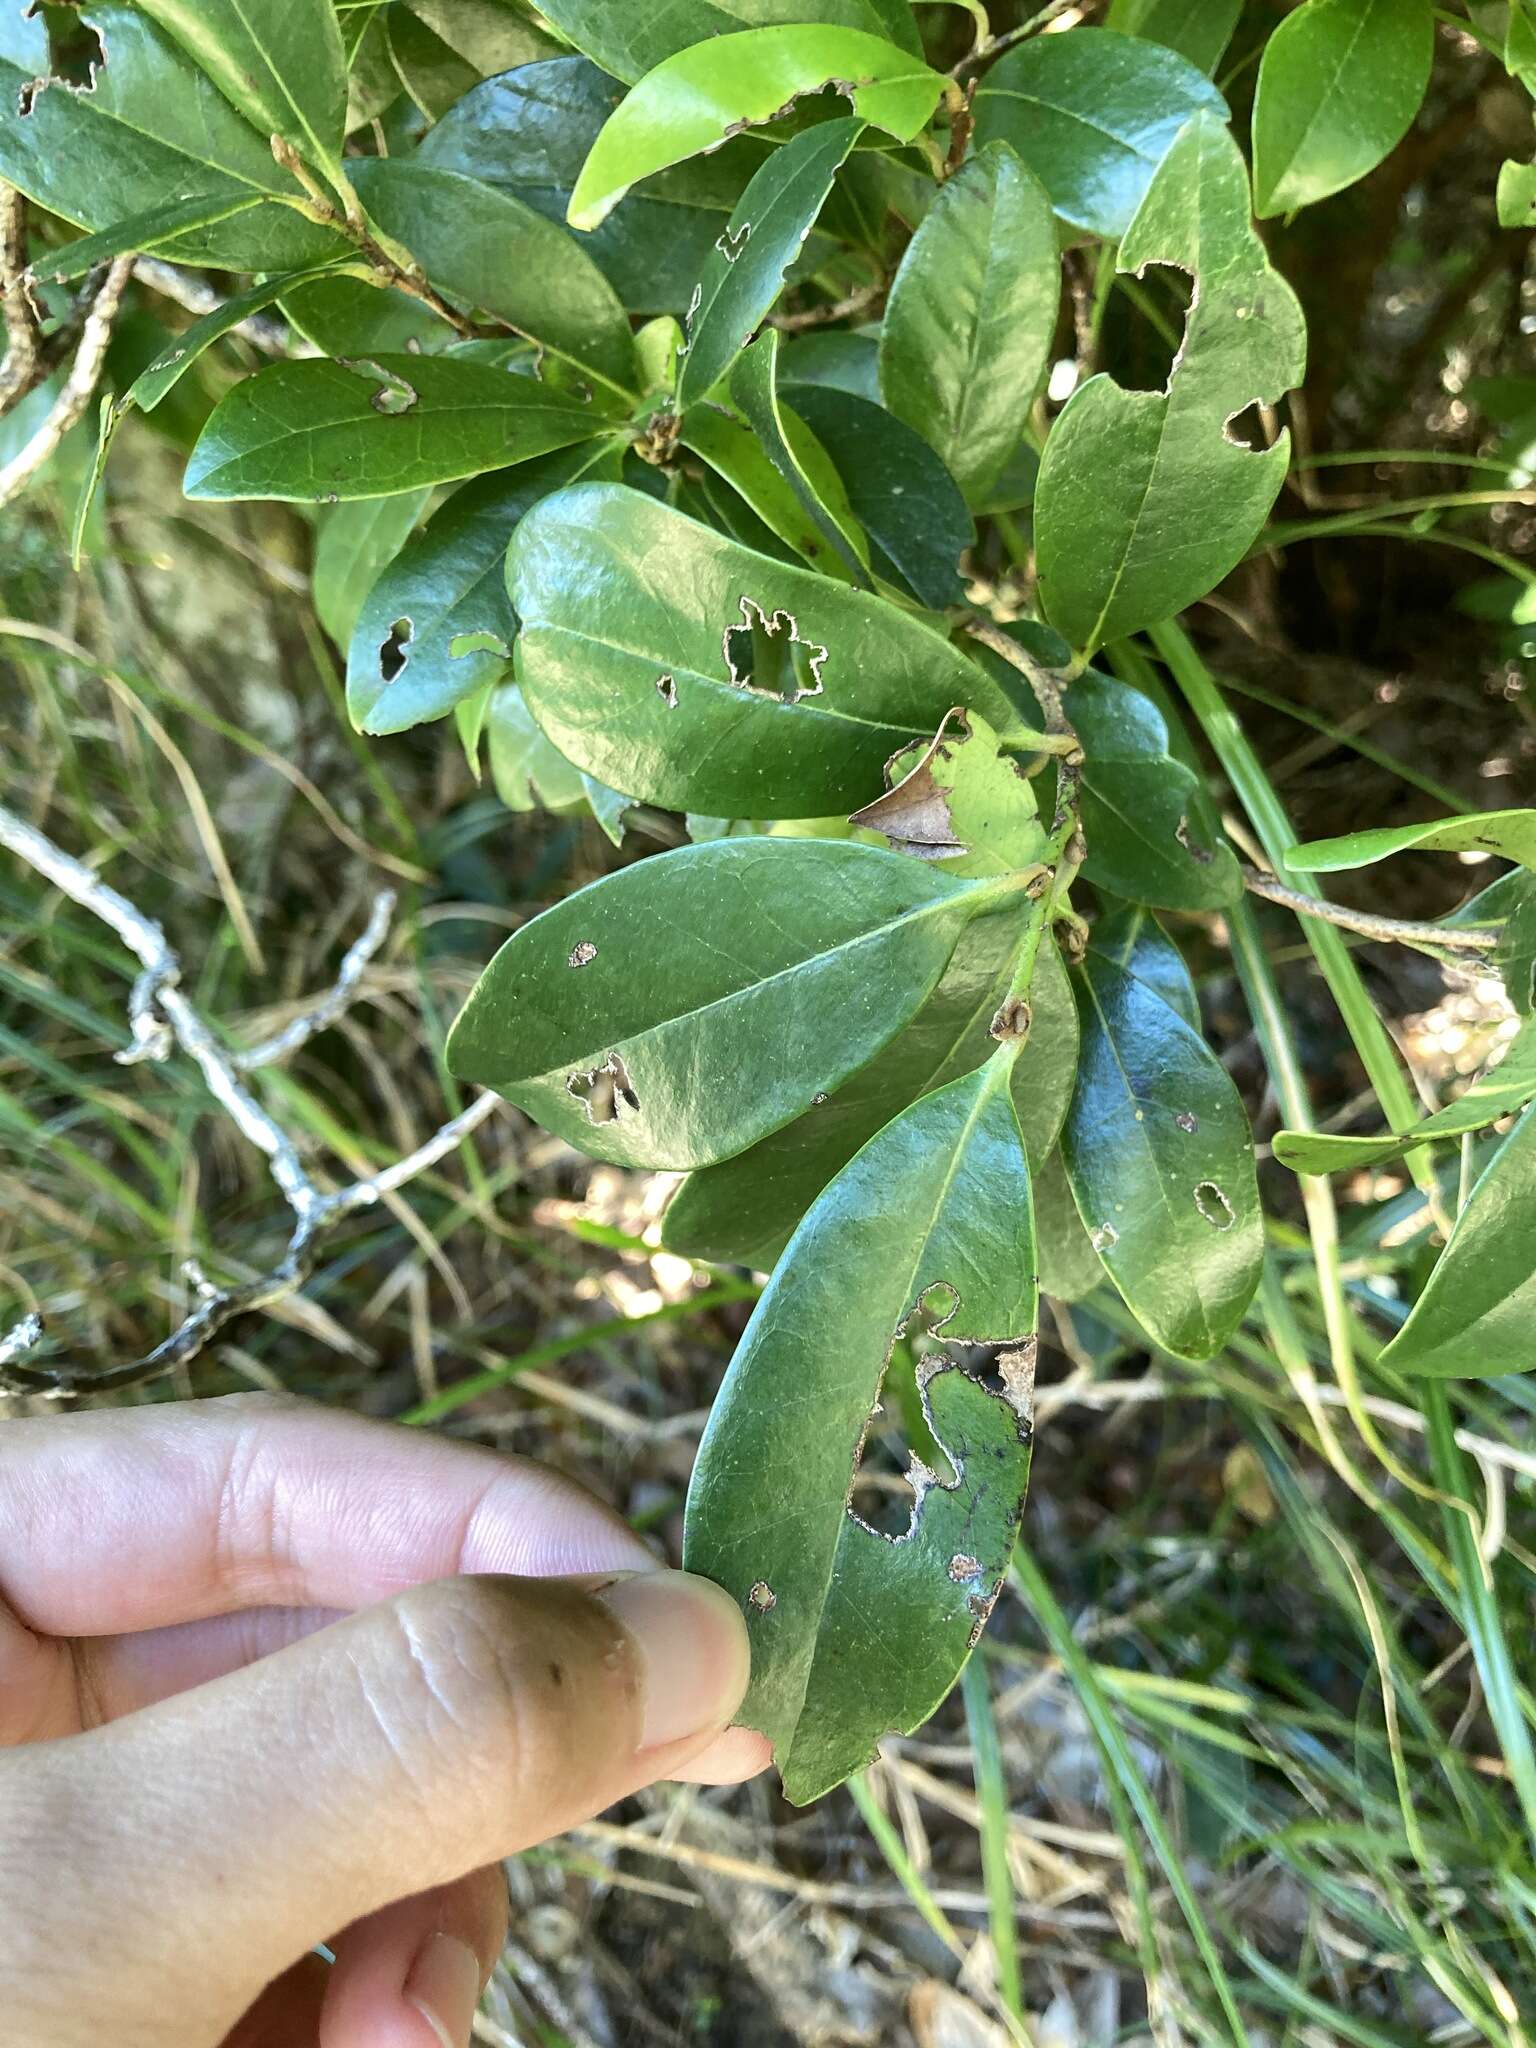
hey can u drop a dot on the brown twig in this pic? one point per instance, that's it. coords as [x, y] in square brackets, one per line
[1389, 930]
[23, 365]
[79, 385]
[994, 47]
[858, 301]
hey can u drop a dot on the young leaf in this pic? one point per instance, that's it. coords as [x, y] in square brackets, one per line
[854, 1633]
[970, 317]
[1198, 29]
[1508, 1086]
[279, 61]
[787, 964]
[913, 515]
[526, 772]
[374, 425]
[754, 386]
[1160, 1158]
[1509, 833]
[488, 249]
[1474, 1319]
[691, 102]
[1339, 85]
[151, 126]
[671, 662]
[722, 436]
[631, 40]
[438, 625]
[1136, 799]
[745, 269]
[352, 544]
[1144, 501]
[1093, 114]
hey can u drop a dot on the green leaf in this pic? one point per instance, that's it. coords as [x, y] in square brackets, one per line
[914, 518]
[1093, 114]
[807, 470]
[1508, 1086]
[183, 350]
[1136, 805]
[745, 269]
[722, 436]
[280, 62]
[1070, 1268]
[1510, 833]
[489, 35]
[432, 72]
[676, 664]
[1144, 502]
[487, 249]
[530, 132]
[1132, 938]
[526, 771]
[344, 316]
[154, 127]
[1160, 1158]
[693, 101]
[438, 626]
[630, 40]
[1339, 85]
[679, 1010]
[745, 1210]
[1509, 905]
[141, 232]
[1199, 30]
[1515, 200]
[352, 545]
[836, 361]
[1474, 1319]
[855, 1634]
[971, 314]
[320, 431]
[960, 802]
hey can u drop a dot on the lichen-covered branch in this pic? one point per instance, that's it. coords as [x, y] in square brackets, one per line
[23, 365]
[161, 1017]
[1389, 930]
[79, 385]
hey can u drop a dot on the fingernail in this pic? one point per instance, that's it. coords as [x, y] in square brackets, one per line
[444, 1987]
[693, 1652]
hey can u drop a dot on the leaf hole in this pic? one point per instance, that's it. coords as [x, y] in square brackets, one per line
[77, 52]
[1104, 1238]
[393, 396]
[1245, 429]
[1155, 338]
[667, 689]
[394, 649]
[731, 243]
[767, 655]
[1187, 1120]
[581, 954]
[478, 643]
[1202, 856]
[1214, 1206]
[761, 1597]
[606, 1092]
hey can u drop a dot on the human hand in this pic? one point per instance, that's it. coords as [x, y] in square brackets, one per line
[272, 1675]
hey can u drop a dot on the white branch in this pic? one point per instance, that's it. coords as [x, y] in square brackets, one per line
[84, 376]
[161, 1016]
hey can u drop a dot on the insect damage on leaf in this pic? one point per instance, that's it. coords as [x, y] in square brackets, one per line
[394, 649]
[959, 799]
[606, 1091]
[394, 394]
[766, 655]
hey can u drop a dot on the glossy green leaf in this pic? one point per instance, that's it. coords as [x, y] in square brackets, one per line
[526, 771]
[280, 62]
[1198, 29]
[1132, 938]
[1508, 1086]
[1144, 501]
[372, 426]
[971, 313]
[431, 71]
[1509, 905]
[140, 232]
[910, 507]
[1509, 833]
[667, 660]
[746, 266]
[1136, 805]
[816, 486]
[787, 964]
[1475, 1317]
[745, 1210]
[152, 129]
[1160, 1158]
[487, 249]
[1093, 114]
[183, 350]
[693, 101]
[344, 316]
[438, 625]
[352, 544]
[489, 35]
[632, 39]
[855, 1633]
[720, 434]
[529, 132]
[837, 361]
[1339, 85]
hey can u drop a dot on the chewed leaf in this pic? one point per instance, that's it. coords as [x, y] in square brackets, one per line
[787, 964]
[1145, 500]
[1510, 833]
[694, 100]
[930, 1228]
[959, 800]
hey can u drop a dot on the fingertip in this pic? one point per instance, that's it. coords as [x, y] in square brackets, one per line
[734, 1756]
[694, 1654]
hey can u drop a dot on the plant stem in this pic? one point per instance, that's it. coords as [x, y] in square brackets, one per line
[1388, 930]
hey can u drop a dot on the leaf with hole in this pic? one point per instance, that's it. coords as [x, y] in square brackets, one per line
[369, 426]
[280, 62]
[1093, 114]
[1475, 1317]
[1145, 501]
[353, 542]
[676, 664]
[695, 100]
[1510, 834]
[927, 1234]
[959, 801]
[970, 317]
[1160, 1158]
[1339, 85]
[787, 964]
[745, 1210]
[630, 40]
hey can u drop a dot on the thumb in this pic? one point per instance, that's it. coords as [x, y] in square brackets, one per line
[392, 1751]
